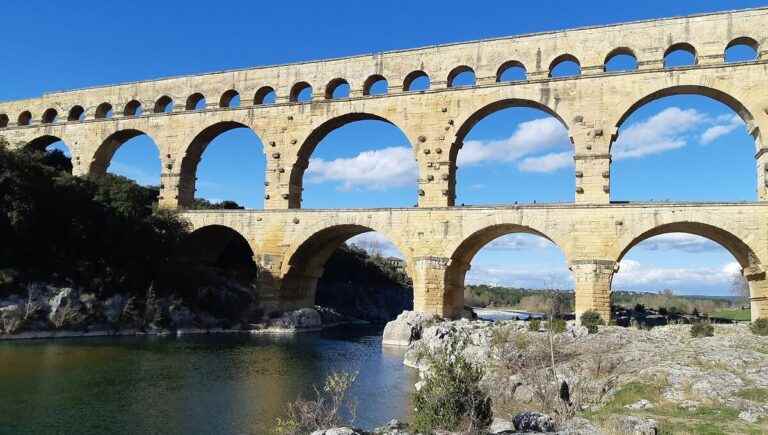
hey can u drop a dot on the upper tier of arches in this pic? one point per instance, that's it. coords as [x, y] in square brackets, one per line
[300, 92]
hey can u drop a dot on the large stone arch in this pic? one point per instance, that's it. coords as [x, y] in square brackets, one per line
[106, 150]
[40, 143]
[747, 257]
[686, 89]
[464, 250]
[316, 135]
[471, 118]
[309, 251]
[195, 147]
[741, 251]
[208, 243]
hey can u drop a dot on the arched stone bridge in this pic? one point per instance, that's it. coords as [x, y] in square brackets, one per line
[438, 239]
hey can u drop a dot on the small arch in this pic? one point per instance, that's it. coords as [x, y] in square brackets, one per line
[620, 59]
[301, 93]
[416, 81]
[230, 98]
[680, 55]
[76, 113]
[462, 76]
[49, 116]
[742, 49]
[375, 85]
[265, 95]
[337, 88]
[511, 71]
[195, 101]
[163, 104]
[3, 120]
[133, 108]
[103, 111]
[565, 65]
[24, 118]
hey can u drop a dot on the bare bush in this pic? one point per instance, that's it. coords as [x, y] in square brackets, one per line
[324, 411]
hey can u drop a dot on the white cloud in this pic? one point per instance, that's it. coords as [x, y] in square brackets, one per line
[539, 278]
[667, 130]
[375, 243]
[519, 242]
[547, 163]
[530, 137]
[725, 124]
[634, 275]
[679, 242]
[369, 170]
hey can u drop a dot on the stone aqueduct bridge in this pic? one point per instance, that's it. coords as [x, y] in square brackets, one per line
[437, 239]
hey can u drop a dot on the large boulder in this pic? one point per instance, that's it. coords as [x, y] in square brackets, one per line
[501, 426]
[304, 318]
[533, 422]
[406, 329]
[634, 425]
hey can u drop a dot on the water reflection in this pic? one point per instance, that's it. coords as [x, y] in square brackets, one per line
[191, 385]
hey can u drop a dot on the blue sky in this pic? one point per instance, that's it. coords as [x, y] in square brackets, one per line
[514, 155]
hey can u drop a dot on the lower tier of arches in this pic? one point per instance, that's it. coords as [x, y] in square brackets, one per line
[291, 247]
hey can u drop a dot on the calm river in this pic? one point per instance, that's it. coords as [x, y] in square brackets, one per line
[211, 384]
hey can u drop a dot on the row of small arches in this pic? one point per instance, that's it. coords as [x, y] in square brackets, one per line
[620, 59]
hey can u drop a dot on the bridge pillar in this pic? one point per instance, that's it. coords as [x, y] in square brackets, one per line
[761, 159]
[592, 160]
[758, 295]
[437, 176]
[592, 280]
[433, 293]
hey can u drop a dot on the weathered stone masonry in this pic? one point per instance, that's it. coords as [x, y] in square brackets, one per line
[437, 238]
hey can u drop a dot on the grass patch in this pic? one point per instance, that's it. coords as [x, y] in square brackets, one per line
[759, 395]
[672, 419]
[733, 314]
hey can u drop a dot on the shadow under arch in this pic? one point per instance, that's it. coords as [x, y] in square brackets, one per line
[310, 144]
[194, 153]
[305, 262]
[42, 142]
[463, 253]
[743, 254]
[103, 155]
[706, 91]
[215, 245]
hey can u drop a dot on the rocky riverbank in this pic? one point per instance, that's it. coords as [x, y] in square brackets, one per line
[52, 312]
[619, 380]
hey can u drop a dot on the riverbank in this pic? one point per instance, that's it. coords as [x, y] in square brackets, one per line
[619, 379]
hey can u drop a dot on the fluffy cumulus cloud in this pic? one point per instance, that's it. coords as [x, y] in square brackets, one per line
[370, 170]
[530, 139]
[634, 275]
[679, 242]
[670, 129]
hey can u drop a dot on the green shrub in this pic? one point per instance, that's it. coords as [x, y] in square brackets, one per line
[702, 329]
[534, 325]
[556, 325]
[450, 395]
[325, 411]
[591, 320]
[760, 327]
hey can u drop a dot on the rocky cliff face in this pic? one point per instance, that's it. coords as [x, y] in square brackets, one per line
[364, 287]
